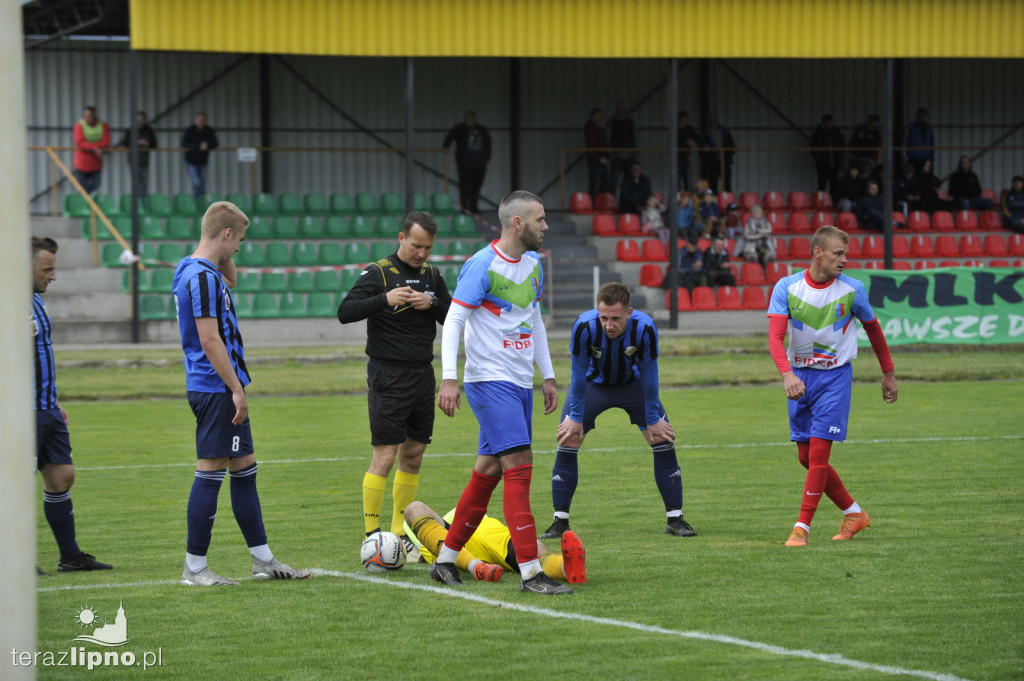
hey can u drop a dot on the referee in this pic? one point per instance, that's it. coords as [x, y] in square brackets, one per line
[403, 298]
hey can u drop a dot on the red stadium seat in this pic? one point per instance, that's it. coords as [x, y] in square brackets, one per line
[975, 263]
[800, 247]
[847, 222]
[729, 298]
[995, 246]
[919, 222]
[855, 250]
[654, 251]
[683, 304]
[798, 201]
[629, 224]
[998, 263]
[752, 274]
[970, 245]
[754, 299]
[580, 203]
[874, 247]
[749, 199]
[821, 201]
[922, 246]
[943, 194]
[925, 265]
[604, 225]
[703, 243]
[606, 203]
[775, 271]
[991, 195]
[852, 265]
[967, 221]
[899, 219]
[949, 263]
[1015, 244]
[652, 275]
[799, 223]
[703, 298]
[900, 246]
[946, 246]
[627, 250]
[991, 221]
[774, 201]
[873, 265]
[724, 199]
[900, 265]
[821, 219]
[1018, 263]
[778, 222]
[781, 249]
[942, 221]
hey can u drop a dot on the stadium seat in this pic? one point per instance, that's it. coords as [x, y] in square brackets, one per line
[629, 224]
[292, 305]
[752, 274]
[158, 204]
[150, 228]
[356, 253]
[798, 201]
[821, 200]
[724, 199]
[248, 282]
[451, 276]
[337, 227]
[605, 202]
[991, 221]
[652, 275]
[949, 263]
[683, 302]
[919, 222]
[392, 204]
[126, 205]
[304, 254]
[285, 227]
[774, 201]
[169, 252]
[444, 226]
[995, 246]
[277, 255]
[604, 225]
[314, 204]
[942, 221]
[991, 195]
[462, 225]
[325, 280]
[899, 220]
[179, 227]
[800, 246]
[102, 233]
[900, 265]
[971, 246]
[274, 282]
[380, 250]
[264, 305]
[855, 250]
[184, 204]
[243, 305]
[580, 203]
[300, 282]
[441, 204]
[873, 265]
[387, 226]
[778, 222]
[799, 223]
[847, 222]
[154, 307]
[363, 227]
[852, 265]
[729, 298]
[922, 246]
[263, 204]
[747, 200]
[321, 304]
[1015, 244]
[925, 265]
[781, 249]
[753, 298]
[900, 246]
[259, 228]
[703, 298]
[75, 206]
[998, 263]
[966, 221]
[461, 248]
[946, 246]
[250, 254]
[341, 204]
[310, 227]
[774, 271]
[367, 204]
[240, 200]
[820, 219]
[289, 204]
[107, 205]
[873, 247]
[653, 250]
[420, 202]
[627, 250]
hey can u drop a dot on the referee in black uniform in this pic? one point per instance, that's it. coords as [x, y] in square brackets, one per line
[403, 298]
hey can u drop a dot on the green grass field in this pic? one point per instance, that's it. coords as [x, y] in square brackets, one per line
[934, 589]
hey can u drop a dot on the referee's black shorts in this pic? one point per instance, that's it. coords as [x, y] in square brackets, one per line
[401, 402]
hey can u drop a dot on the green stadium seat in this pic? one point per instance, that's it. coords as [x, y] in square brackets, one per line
[300, 282]
[289, 204]
[420, 201]
[278, 254]
[461, 248]
[155, 307]
[248, 282]
[274, 282]
[158, 204]
[480, 245]
[180, 227]
[441, 204]
[259, 228]
[311, 227]
[321, 304]
[463, 225]
[144, 281]
[75, 206]
[349, 279]
[356, 253]
[250, 254]
[314, 204]
[325, 280]
[341, 204]
[126, 205]
[444, 226]
[264, 204]
[243, 305]
[151, 228]
[388, 227]
[292, 305]
[123, 225]
[169, 252]
[184, 204]
[147, 253]
[330, 254]
[205, 200]
[110, 255]
[363, 227]
[304, 254]
[337, 227]
[366, 204]
[102, 233]
[239, 200]
[264, 305]
[380, 250]
[161, 280]
[392, 204]
[107, 204]
[451, 276]
[285, 227]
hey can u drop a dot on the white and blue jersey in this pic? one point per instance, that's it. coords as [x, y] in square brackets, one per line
[45, 376]
[199, 291]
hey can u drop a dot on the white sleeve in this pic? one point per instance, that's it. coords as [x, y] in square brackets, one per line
[540, 346]
[451, 337]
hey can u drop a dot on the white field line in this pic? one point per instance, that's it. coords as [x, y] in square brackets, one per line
[826, 658]
[601, 450]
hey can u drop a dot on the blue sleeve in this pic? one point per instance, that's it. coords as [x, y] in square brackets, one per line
[861, 305]
[578, 387]
[649, 377]
[473, 283]
[204, 294]
[779, 304]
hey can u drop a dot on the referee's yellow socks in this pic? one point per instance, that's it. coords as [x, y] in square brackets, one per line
[373, 501]
[404, 493]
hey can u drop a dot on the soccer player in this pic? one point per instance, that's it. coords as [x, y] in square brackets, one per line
[489, 552]
[496, 301]
[403, 298]
[817, 373]
[53, 442]
[615, 364]
[216, 377]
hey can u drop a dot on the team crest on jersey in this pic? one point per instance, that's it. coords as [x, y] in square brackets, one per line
[227, 301]
[35, 325]
[393, 270]
[630, 351]
[595, 351]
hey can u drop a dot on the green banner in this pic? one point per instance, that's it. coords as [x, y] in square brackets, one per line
[952, 305]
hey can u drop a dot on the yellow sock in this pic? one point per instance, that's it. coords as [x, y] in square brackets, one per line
[430, 533]
[552, 564]
[403, 492]
[373, 500]
[463, 560]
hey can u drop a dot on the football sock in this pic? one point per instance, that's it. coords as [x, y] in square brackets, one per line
[245, 502]
[403, 493]
[852, 508]
[469, 511]
[195, 563]
[667, 474]
[464, 560]
[202, 510]
[262, 552]
[430, 533]
[530, 569]
[516, 504]
[834, 488]
[817, 478]
[564, 478]
[551, 564]
[373, 501]
[60, 514]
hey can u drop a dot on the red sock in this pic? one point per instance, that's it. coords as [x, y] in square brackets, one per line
[470, 510]
[803, 450]
[817, 478]
[518, 514]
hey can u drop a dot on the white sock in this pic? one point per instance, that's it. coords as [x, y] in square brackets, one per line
[447, 555]
[564, 515]
[262, 552]
[678, 513]
[853, 509]
[195, 563]
[530, 570]
[806, 528]
[472, 565]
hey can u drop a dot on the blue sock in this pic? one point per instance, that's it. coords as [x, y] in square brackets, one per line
[564, 477]
[60, 513]
[245, 502]
[202, 510]
[667, 475]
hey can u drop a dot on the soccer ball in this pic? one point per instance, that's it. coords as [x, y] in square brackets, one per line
[382, 552]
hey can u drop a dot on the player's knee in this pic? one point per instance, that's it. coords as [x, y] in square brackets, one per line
[415, 510]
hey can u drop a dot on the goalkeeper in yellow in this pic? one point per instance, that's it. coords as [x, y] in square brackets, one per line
[489, 552]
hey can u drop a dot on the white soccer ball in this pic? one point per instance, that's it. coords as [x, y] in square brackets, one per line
[382, 552]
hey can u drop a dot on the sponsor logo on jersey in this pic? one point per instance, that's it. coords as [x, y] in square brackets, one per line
[517, 338]
[596, 351]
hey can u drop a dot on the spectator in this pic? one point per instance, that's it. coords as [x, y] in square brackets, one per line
[690, 266]
[689, 139]
[907, 190]
[685, 217]
[714, 162]
[870, 209]
[711, 214]
[472, 152]
[636, 187]
[147, 141]
[91, 136]
[929, 183]
[828, 161]
[965, 188]
[1013, 206]
[716, 264]
[200, 139]
[919, 134]
[849, 189]
[652, 221]
[733, 221]
[866, 143]
[595, 139]
[622, 136]
[758, 243]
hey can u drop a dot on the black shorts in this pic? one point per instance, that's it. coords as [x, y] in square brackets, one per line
[401, 402]
[628, 397]
[53, 442]
[216, 436]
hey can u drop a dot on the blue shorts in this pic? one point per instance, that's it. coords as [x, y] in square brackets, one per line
[628, 397]
[824, 410]
[505, 413]
[216, 436]
[53, 442]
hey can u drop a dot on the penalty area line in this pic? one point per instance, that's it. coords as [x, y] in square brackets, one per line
[827, 658]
